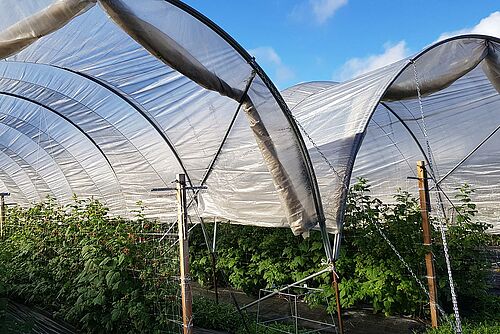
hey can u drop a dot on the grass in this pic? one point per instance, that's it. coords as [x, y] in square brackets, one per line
[225, 317]
[470, 328]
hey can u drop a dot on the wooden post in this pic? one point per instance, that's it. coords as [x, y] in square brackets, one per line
[337, 301]
[2, 213]
[423, 189]
[187, 298]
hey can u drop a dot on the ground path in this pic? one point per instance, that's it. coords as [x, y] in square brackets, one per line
[355, 321]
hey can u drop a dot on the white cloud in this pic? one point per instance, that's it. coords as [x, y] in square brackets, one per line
[318, 11]
[269, 59]
[324, 9]
[487, 26]
[357, 66]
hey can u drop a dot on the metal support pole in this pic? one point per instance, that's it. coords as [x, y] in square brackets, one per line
[337, 300]
[187, 297]
[213, 258]
[423, 189]
[2, 213]
[214, 263]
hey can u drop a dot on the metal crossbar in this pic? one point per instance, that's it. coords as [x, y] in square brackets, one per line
[274, 293]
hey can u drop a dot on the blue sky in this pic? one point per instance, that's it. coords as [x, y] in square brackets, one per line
[306, 40]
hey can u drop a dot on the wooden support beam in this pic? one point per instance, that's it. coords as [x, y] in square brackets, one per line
[423, 189]
[186, 294]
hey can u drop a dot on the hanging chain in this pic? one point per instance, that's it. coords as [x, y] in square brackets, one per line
[289, 112]
[458, 328]
[407, 266]
[441, 214]
[316, 147]
[400, 257]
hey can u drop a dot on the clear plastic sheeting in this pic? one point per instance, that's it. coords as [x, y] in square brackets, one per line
[460, 57]
[373, 127]
[40, 23]
[113, 99]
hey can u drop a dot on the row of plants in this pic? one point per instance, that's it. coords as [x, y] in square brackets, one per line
[102, 274]
[371, 274]
[107, 274]
[99, 273]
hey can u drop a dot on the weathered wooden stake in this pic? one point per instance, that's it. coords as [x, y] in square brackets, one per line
[423, 188]
[187, 297]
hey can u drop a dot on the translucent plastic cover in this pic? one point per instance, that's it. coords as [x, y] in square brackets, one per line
[113, 98]
[374, 127]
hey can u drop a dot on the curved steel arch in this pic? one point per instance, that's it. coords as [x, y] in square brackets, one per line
[146, 119]
[49, 153]
[410, 132]
[139, 108]
[416, 57]
[128, 100]
[311, 176]
[14, 156]
[17, 96]
[359, 141]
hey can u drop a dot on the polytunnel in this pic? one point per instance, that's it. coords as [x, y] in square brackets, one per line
[440, 106]
[112, 98]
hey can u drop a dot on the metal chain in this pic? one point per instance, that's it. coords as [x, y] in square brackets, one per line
[458, 328]
[407, 266]
[441, 214]
[316, 147]
[400, 257]
[289, 112]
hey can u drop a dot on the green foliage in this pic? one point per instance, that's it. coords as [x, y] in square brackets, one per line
[370, 272]
[225, 317]
[106, 274]
[468, 246]
[97, 272]
[472, 328]
[255, 258]
[222, 316]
